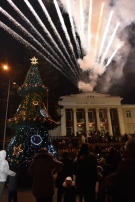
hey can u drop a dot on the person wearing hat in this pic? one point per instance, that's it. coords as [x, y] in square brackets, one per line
[69, 190]
[67, 170]
[41, 169]
[4, 171]
[120, 185]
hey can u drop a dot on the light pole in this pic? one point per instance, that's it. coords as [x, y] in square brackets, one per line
[47, 90]
[7, 101]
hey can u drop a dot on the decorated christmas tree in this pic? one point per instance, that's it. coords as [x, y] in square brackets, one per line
[31, 122]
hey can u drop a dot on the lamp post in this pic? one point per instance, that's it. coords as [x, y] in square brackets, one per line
[47, 90]
[7, 101]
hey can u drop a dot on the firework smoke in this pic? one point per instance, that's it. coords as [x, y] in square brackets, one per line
[123, 12]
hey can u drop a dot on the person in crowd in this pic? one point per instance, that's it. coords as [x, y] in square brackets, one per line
[61, 175]
[119, 186]
[113, 159]
[41, 169]
[12, 183]
[86, 174]
[69, 190]
[4, 171]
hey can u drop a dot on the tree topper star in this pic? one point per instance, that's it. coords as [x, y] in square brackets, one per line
[34, 60]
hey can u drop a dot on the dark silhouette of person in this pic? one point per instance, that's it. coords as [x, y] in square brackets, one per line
[61, 175]
[41, 169]
[119, 186]
[69, 190]
[112, 159]
[86, 174]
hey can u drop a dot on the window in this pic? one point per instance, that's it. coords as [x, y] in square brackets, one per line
[79, 114]
[90, 114]
[128, 113]
[101, 114]
[68, 115]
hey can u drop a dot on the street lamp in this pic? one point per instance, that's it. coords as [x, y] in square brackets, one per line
[5, 67]
[47, 90]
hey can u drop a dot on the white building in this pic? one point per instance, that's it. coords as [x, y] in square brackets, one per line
[87, 112]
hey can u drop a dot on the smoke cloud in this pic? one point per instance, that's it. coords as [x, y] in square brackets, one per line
[123, 12]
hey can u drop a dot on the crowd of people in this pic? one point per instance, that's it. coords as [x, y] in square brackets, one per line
[101, 175]
[73, 143]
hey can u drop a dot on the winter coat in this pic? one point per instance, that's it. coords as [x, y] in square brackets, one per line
[41, 169]
[4, 167]
[120, 185]
[86, 171]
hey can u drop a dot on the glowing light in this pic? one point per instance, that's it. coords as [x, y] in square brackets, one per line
[72, 25]
[82, 22]
[64, 29]
[89, 22]
[53, 27]
[45, 29]
[34, 30]
[5, 67]
[110, 42]
[105, 34]
[98, 29]
[28, 45]
[63, 24]
[114, 53]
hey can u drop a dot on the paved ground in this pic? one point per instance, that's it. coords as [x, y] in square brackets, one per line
[25, 194]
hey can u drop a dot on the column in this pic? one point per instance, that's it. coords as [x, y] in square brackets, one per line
[109, 122]
[121, 121]
[86, 121]
[98, 121]
[75, 121]
[63, 122]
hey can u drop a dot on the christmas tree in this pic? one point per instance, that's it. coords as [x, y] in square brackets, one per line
[31, 122]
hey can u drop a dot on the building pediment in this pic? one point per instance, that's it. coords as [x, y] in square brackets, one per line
[92, 94]
[91, 98]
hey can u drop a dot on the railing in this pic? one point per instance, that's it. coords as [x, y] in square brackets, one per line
[80, 120]
[91, 120]
[102, 120]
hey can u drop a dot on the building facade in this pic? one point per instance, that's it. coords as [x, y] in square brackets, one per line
[86, 113]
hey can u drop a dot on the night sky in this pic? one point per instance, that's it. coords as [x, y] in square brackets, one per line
[13, 51]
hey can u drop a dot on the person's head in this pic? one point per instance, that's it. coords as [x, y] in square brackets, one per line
[84, 149]
[130, 148]
[2, 154]
[68, 181]
[43, 150]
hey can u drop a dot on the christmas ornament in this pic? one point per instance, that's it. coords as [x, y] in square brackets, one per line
[44, 113]
[35, 102]
[17, 150]
[36, 139]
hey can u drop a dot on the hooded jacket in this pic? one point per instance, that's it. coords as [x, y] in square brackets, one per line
[120, 184]
[41, 169]
[4, 167]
